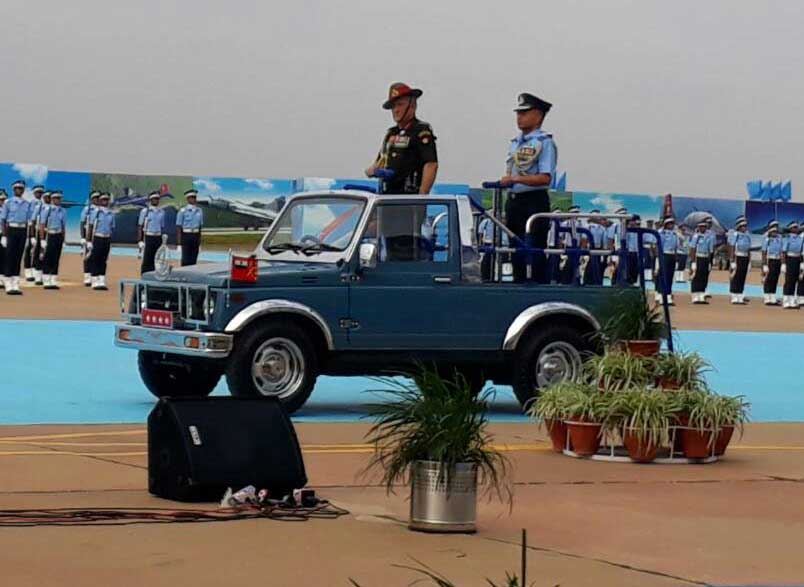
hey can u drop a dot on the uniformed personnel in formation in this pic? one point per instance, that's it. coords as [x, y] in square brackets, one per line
[739, 260]
[529, 169]
[791, 265]
[3, 198]
[14, 218]
[594, 266]
[189, 222]
[99, 243]
[682, 254]
[31, 256]
[87, 218]
[664, 278]
[633, 252]
[151, 225]
[771, 263]
[702, 245]
[408, 148]
[38, 222]
[52, 230]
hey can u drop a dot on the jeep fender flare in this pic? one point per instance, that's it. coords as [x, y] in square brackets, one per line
[529, 316]
[269, 307]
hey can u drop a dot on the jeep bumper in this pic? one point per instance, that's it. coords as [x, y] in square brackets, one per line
[214, 345]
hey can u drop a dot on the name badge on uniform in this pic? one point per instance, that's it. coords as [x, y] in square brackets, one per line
[526, 155]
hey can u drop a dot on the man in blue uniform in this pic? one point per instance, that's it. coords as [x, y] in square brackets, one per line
[664, 279]
[530, 167]
[568, 273]
[771, 263]
[151, 225]
[3, 198]
[99, 236]
[701, 247]
[739, 260]
[632, 250]
[189, 222]
[37, 251]
[30, 257]
[14, 218]
[52, 228]
[649, 253]
[791, 264]
[87, 217]
[593, 272]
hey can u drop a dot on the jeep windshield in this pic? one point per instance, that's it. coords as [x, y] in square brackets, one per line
[311, 226]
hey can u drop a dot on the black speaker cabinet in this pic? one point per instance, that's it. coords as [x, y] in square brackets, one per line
[197, 447]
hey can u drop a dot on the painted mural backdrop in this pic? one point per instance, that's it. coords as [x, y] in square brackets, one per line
[689, 211]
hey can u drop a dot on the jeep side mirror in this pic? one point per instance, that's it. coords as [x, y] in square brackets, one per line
[368, 256]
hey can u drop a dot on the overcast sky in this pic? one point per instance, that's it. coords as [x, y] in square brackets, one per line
[687, 96]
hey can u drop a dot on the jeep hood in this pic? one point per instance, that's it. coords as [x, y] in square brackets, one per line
[269, 273]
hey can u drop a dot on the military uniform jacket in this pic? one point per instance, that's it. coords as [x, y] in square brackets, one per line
[405, 151]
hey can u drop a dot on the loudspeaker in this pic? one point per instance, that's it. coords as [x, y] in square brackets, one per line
[197, 447]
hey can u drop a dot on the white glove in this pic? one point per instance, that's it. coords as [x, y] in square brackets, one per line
[141, 245]
[83, 242]
[3, 242]
[43, 243]
[733, 266]
[694, 267]
[784, 268]
[764, 269]
[178, 250]
[89, 246]
[33, 241]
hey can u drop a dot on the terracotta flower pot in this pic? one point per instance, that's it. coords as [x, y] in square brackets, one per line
[584, 437]
[643, 348]
[723, 439]
[695, 444]
[667, 384]
[558, 434]
[638, 451]
[681, 420]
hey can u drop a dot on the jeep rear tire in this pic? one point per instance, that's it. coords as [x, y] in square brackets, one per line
[547, 356]
[273, 358]
[166, 374]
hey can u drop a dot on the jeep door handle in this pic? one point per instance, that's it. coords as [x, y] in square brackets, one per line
[442, 279]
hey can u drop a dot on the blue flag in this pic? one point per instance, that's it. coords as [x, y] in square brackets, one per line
[754, 188]
[765, 192]
[776, 191]
[787, 191]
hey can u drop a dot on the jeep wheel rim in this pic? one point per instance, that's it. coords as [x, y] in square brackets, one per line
[278, 368]
[558, 361]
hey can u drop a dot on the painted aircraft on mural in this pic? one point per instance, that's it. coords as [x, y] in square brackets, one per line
[131, 198]
[254, 215]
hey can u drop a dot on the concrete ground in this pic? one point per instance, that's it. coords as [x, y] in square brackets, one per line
[739, 521]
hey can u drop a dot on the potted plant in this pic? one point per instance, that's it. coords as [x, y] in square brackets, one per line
[587, 416]
[433, 433]
[696, 428]
[728, 413]
[634, 324]
[644, 416]
[550, 408]
[616, 369]
[674, 371]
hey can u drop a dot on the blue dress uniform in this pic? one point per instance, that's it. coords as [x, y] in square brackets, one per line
[14, 218]
[530, 153]
[771, 262]
[792, 252]
[740, 244]
[664, 279]
[632, 246]
[569, 269]
[52, 231]
[189, 222]
[38, 222]
[593, 273]
[682, 250]
[702, 246]
[31, 256]
[3, 198]
[152, 226]
[87, 217]
[101, 233]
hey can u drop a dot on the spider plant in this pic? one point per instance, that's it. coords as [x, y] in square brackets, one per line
[682, 371]
[615, 370]
[631, 317]
[438, 419]
[553, 401]
[589, 404]
[646, 414]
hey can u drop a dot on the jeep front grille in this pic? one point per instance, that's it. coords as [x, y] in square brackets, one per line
[192, 305]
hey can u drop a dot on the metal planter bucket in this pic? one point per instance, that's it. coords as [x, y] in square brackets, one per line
[448, 504]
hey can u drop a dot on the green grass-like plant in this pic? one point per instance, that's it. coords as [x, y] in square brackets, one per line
[631, 317]
[615, 370]
[687, 370]
[646, 413]
[435, 418]
[553, 402]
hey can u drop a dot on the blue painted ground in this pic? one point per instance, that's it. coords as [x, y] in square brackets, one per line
[70, 372]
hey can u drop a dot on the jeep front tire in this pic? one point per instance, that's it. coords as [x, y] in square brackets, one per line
[273, 358]
[165, 374]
